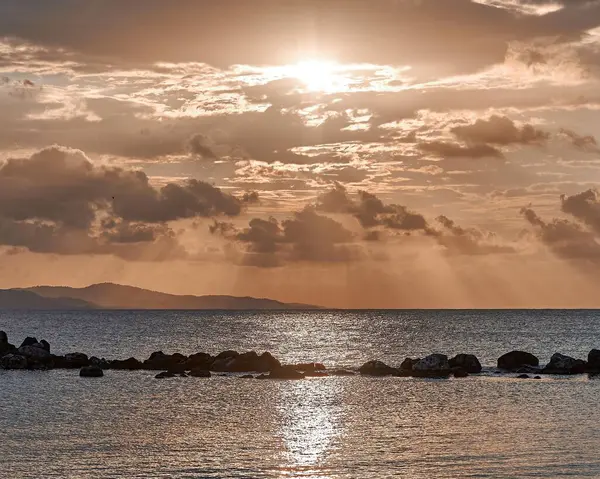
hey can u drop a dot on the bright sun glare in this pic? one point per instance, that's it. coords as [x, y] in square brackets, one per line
[318, 75]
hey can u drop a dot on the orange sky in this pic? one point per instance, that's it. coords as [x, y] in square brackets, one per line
[349, 153]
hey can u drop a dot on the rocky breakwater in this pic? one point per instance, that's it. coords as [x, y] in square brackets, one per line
[36, 355]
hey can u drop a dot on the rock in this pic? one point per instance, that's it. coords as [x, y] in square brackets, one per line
[101, 363]
[247, 376]
[45, 344]
[377, 368]
[468, 362]
[285, 372]
[267, 362]
[227, 355]
[72, 361]
[91, 372]
[29, 341]
[516, 359]
[159, 360]
[130, 364]
[35, 351]
[432, 366]
[341, 372]
[5, 346]
[593, 362]
[239, 363]
[13, 361]
[523, 376]
[199, 373]
[164, 374]
[561, 364]
[199, 361]
[537, 377]
[459, 372]
[182, 375]
[408, 363]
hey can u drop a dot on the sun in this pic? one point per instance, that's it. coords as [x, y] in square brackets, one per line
[318, 75]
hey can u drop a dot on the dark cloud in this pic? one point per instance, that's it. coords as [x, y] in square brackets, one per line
[585, 207]
[565, 238]
[470, 241]
[58, 201]
[582, 142]
[499, 130]
[452, 150]
[307, 236]
[370, 211]
[199, 146]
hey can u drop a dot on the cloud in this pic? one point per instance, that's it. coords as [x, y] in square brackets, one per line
[499, 130]
[585, 207]
[582, 142]
[59, 201]
[453, 150]
[306, 236]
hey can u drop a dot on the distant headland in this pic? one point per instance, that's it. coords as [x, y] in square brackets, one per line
[117, 296]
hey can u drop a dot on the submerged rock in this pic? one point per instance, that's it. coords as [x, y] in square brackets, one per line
[468, 362]
[309, 367]
[377, 368]
[516, 359]
[341, 372]
[199, 373]
[434, 365]
[164, 375]
[523, 376]
[561, 364]
[458, 372]
[285, 372]
[91, 372]
[13, 361]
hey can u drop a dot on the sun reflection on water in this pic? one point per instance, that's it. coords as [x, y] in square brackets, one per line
[310, 426]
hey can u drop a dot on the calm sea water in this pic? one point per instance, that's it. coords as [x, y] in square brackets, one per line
[129, 425]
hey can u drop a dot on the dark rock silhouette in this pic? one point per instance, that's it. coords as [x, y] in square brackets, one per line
[523, 376]
[199, 361]
[285, 372]
[434, 365]
[72, 361]
[468, 362]
[130, 364]
[5, 346]
[516, 359]
[13, 361]
[593, 362]
[309, 367]
[159, 361]
[377, 368]
[561, 364]
[200, 373]
[164, 374]
[459, 372]
[91, 372]
[408, 363]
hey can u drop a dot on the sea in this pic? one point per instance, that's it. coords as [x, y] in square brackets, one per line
[54, 424]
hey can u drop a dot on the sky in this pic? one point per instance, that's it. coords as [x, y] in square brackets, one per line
[346, 153]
